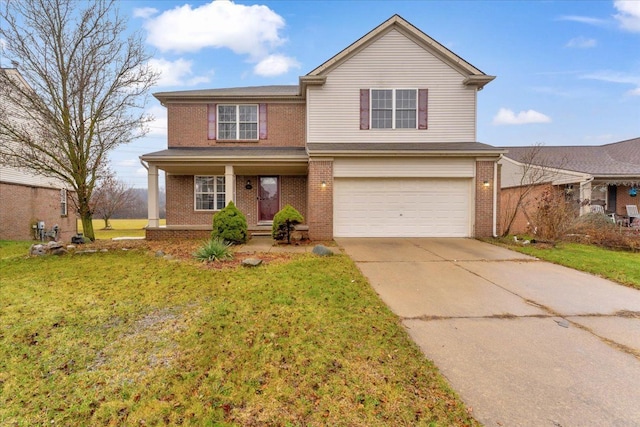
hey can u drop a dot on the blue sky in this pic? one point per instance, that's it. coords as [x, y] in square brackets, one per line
[568, 72]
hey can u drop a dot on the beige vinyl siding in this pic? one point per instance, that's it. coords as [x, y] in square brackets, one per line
[391, 62]
[17, 176]
[404, 167]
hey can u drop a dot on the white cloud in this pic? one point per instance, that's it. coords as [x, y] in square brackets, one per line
[176, 73]
[634, 92]
[629, 14]
[157, 127]
[275, 65]
[506, 116]
[141, 172]
[584, 20]
[617, 77]
[251, 30]
[128, 163]
[582, 43]
[144, 12]
[3, 43]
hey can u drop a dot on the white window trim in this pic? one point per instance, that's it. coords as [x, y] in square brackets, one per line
[237, 107]
[64, 204]
[393, 110]
[215, 192]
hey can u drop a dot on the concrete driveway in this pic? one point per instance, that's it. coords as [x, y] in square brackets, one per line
[524, 342]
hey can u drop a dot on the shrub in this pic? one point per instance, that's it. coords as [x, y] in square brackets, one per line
[553, 216]
[230, 225]
[284, 223]
[214, 249]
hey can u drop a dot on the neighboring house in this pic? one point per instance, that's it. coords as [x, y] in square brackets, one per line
[606, 175]
[380, 140]
[27, 199]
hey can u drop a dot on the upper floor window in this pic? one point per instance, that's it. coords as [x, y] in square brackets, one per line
[209, 193]
[238, 122]
[393, 108]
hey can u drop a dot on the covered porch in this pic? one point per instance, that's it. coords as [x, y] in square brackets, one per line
[200, 181]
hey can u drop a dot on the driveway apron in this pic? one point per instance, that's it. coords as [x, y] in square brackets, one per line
[524, 342]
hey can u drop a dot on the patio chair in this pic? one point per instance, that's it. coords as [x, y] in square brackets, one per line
[634, 216]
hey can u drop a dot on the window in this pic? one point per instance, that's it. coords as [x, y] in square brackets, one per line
[238, 122]
[63, 202]
[209, 193]
[393, 108]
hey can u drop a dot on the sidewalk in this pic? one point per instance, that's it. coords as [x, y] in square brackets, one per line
[265, 244]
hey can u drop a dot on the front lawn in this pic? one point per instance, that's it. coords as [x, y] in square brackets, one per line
[119, 228]
[622, 267]
[127, 338]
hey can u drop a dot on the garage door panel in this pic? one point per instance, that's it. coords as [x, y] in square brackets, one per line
[394, 207]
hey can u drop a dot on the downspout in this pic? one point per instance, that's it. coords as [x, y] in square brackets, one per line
[144, 165]
[495, 197]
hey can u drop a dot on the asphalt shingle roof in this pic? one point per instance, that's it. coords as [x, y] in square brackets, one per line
[619, 158]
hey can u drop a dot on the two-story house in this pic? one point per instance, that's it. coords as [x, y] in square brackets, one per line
[380, 140]
[28, 200]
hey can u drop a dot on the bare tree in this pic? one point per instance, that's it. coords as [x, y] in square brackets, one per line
[111, 195]
[87, 87]
[534, 171]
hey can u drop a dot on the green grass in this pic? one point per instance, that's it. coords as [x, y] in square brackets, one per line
[622, 267]
[120, 228]
[125, 338]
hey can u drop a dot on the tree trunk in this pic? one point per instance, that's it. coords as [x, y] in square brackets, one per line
[87, 226]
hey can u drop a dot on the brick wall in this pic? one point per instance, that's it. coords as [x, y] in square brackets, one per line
[168, 234]
[180, 202]
[623, 199]
[188, 126]
[320, 199]
[293, 191]
[23, 205]
[484, 199]
[180, 199]
[508, 200]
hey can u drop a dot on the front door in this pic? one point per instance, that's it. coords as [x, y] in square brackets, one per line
[268, 198]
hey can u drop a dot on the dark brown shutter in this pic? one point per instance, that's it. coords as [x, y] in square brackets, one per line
[262, 121]
[211, 118]
[423, 100]
[364, 109]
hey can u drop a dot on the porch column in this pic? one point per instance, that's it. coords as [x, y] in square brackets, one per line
[153, 209]
[229, 185]
[585, 194]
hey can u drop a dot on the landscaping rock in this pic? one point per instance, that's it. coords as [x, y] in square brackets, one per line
[37, 250]
[322, 250]
[251, 262]
[160, 254]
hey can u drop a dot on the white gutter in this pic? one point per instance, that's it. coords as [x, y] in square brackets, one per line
[144, 164]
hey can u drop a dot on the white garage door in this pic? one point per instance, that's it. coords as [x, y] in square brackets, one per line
[401, 207]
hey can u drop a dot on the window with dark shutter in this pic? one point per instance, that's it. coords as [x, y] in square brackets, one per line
[211, 118]
[364, 109]
[423, 97]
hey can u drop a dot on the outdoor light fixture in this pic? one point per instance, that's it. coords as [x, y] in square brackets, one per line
[485, 183]
[248, 186]
[324, 184]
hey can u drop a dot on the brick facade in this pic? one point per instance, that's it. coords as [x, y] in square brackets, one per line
[293, 191]
[623, 199]
[24, 205]
[524, 215]
[180, 199]
[320, 199]
[484, 198]
[188, 126]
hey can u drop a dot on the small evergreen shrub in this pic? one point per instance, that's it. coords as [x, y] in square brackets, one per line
[214, 249]
[284, 223]
[230, 225]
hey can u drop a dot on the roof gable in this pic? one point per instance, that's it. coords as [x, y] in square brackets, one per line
[475, 77]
